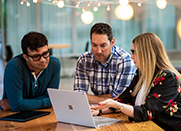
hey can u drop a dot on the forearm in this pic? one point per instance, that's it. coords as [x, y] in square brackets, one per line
[115, 106]
[94, 99]
[31, 104]
[106, 111]
[125, 108]
[128, 110]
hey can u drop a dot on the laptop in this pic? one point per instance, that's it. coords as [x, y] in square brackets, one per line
[73, 107]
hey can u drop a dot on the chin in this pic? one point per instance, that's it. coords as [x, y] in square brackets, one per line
[44, 67]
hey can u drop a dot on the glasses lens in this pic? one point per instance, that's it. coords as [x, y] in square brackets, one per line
[36, 58]
[133, 52]
[46, 54]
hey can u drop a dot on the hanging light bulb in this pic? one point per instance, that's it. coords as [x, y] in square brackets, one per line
[123, 2]
[60, 4]
[35, 1]
[108, 8]
[99, 4]
[87, 17]
[139, 4]
[179, 28]
[27, 3]
[77, 6]
[54, 1]
[21, 2]
[161, 4]
[95, 8]
[89, 3]
[124, 12]
[83, 10]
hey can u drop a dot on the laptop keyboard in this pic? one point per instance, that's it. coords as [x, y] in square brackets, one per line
[102, 121]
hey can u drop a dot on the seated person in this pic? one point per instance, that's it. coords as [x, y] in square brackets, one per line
[27, 76]
[155, 93]
[108, 69]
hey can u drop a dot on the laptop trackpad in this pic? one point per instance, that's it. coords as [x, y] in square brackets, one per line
[102, 121]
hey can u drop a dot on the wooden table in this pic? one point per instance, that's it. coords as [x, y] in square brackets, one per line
[57, 46]
[49, 123]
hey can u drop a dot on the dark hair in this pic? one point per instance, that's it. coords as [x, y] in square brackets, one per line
[33, 40]
[102, 28]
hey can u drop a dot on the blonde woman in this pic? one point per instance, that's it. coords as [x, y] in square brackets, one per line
[154, 93]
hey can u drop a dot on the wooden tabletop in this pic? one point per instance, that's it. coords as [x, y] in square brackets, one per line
[49, 123]
[56, 45]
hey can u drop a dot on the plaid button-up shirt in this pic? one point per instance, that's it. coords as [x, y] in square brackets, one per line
[112, 77]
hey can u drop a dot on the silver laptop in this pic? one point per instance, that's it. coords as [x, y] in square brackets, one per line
[73, 107]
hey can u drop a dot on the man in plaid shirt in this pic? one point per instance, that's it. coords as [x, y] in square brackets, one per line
[108, 69]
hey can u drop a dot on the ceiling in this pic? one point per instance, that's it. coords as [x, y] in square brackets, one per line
[176, 3]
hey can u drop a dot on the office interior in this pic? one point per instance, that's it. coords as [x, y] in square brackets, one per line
[65, 25]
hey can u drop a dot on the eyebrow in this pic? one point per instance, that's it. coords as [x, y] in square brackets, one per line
[96, 44]
[40, 54]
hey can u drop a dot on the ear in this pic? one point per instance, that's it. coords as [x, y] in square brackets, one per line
[112, 42]
[25, 57]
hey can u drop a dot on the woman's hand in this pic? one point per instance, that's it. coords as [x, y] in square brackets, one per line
[106, 104]
[94, 112]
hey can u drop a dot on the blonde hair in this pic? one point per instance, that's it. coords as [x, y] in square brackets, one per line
[152, 58]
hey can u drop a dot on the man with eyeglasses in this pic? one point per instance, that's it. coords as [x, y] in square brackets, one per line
[28, 75]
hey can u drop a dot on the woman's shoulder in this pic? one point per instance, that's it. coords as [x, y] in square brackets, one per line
[166, 72]
[165, 75]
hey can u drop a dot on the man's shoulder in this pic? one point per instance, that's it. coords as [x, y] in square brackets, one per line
[86, 55]
[121, 53]
[54, 59]
[54, 62]
[16, 61]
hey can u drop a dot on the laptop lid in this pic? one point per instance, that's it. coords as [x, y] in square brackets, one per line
[73, 107]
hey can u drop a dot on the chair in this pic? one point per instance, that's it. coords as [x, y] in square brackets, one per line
[9, 53]
[76, 57]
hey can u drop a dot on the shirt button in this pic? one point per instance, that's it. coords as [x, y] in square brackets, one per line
[130, 91]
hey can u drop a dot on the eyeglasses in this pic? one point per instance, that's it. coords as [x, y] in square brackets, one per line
[132, 52]
[46, 54]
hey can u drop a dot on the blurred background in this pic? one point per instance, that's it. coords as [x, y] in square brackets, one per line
[70, 21]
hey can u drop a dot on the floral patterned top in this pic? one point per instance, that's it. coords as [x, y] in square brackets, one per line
[163, 103]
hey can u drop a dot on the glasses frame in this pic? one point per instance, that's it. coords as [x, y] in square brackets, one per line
[132, 52]
[40, 55]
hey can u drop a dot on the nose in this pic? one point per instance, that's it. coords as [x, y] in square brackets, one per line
[99, 50]
[132, 56]
[42, 58]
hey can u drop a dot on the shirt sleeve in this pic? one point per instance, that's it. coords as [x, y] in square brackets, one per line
[124, 76]
[162, 95]
[81, 82]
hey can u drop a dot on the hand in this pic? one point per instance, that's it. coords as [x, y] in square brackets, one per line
[4, 103]
[116, 97]
[93, 111]
[106, 104]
